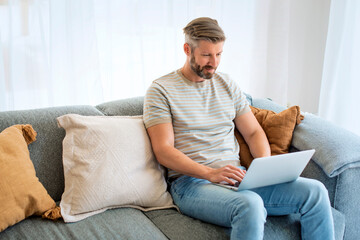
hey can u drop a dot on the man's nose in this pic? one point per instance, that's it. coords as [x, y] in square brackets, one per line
[213, 61]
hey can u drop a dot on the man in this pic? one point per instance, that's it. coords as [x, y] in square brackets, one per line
[190, 115]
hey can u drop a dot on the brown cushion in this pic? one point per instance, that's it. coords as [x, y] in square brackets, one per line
[21, 193]
[279, 128]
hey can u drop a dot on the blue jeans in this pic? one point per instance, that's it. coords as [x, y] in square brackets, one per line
[245, 212]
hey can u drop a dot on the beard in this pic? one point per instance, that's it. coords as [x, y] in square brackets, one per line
[200, 71]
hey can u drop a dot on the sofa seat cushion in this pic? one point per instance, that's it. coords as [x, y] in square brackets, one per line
[123, 223]
[178, 227]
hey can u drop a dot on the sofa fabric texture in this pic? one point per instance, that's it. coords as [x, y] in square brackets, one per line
[129, 223]
[324, 136]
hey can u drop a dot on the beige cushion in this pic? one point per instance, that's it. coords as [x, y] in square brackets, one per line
[108, 163]
[21, 193]
[278, 127]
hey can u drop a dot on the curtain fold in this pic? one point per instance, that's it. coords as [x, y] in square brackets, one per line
[63, 52]
[339, 97]
[270, 51]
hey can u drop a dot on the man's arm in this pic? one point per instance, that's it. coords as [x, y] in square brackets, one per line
[162, 141]
[253, 134]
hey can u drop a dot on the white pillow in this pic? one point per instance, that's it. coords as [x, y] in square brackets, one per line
[108, 163]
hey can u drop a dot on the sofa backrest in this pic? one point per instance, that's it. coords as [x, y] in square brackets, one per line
[46, 151]
[123, 107]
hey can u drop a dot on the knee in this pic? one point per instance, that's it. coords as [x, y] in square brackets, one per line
[317, 190]
[317, 195]
[250, 207]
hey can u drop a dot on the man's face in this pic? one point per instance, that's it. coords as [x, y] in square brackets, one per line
[205, 58]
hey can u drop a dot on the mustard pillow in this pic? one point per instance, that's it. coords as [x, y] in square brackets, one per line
[21, 193]
[278, 127]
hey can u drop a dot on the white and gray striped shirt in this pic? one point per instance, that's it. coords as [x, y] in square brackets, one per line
[202, 116]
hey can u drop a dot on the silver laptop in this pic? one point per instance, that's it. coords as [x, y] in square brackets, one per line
[273, 170]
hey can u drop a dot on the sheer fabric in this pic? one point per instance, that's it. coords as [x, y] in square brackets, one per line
[64, 52]
[339, 99]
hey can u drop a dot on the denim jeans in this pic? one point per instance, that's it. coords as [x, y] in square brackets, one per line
[245, 212]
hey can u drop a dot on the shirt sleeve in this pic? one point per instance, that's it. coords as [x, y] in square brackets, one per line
[156, 106]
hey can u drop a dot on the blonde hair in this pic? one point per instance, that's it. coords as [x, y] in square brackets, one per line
[203, 28]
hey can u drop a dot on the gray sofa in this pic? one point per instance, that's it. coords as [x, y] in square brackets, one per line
[336, 164]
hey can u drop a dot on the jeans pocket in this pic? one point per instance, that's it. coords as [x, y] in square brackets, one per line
[177, 186]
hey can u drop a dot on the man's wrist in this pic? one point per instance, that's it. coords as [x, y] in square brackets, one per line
[206, 172]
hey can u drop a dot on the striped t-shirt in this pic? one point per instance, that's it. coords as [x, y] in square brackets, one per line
[202, 115]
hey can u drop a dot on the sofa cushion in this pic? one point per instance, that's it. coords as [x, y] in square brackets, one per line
[121, 223]
[21, 193]
[178, 227]
[108, 163]
[46, 151]
[278, 128]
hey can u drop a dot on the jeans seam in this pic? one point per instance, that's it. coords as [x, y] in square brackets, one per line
[278, 205]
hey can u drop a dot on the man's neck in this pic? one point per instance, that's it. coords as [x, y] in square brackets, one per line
[190, 75]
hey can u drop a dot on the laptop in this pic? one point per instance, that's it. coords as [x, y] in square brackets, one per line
[272, 170]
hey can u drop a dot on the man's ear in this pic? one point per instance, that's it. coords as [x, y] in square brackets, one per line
[187, 49]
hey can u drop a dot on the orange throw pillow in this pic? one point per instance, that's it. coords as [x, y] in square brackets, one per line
[278, 127]
[21, 193]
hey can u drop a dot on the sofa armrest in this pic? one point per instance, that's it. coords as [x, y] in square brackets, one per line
[336, 162]
[344, 194]
[336, 148]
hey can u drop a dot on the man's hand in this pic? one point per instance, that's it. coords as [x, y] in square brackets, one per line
[225, 174]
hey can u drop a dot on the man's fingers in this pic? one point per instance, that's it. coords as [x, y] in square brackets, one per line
[234, 176]
[234, 172]
[229, 174]
[228, 180]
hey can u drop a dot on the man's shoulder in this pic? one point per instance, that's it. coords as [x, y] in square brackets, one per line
[223, 76]
[168, 78]
[161, 85]
[224, 79]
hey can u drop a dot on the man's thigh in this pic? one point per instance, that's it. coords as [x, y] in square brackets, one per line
[203, 200]
[288, 198]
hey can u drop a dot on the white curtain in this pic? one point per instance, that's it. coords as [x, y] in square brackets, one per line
[68, 52]
[340, 98]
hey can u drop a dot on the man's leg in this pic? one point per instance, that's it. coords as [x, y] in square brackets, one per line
[242, 211]
[305, 196]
